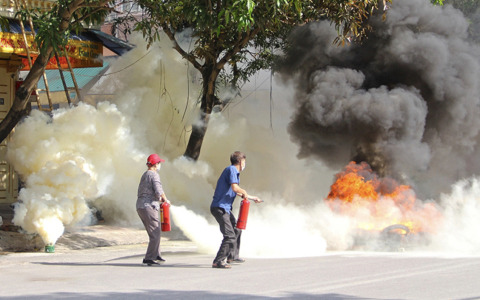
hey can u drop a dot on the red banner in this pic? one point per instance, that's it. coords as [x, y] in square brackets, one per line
[82, 54]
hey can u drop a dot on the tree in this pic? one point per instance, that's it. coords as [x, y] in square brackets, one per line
[470, 8]
[54, 28]
[4, 26]
[226, 31]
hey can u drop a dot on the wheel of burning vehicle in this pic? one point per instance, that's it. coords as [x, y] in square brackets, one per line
[394, 229]
[392, 237]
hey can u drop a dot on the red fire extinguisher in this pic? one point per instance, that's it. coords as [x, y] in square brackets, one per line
[165, 216]
[243, 214]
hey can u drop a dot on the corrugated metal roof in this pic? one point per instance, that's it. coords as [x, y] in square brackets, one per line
[114, 44]
[82, 76]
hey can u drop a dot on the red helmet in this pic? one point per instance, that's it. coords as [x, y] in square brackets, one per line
[154, 159]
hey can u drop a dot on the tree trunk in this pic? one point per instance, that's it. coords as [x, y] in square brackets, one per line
[199, 129]
[196, 137]
[19, 107]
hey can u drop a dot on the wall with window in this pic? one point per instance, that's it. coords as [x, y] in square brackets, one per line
[8, 176]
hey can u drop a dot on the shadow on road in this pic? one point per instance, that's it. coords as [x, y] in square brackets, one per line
[167, 294]
[141, 256]
[137, 265]
[127, 257]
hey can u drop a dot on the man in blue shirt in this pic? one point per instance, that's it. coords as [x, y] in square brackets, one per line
[225, 192]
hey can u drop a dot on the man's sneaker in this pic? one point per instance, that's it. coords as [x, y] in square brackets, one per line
[159, 258]
[150, 262]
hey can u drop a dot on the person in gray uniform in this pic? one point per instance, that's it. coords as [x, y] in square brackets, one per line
[150, 194]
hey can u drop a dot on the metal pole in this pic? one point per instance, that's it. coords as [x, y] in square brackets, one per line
[63, 78]
[27, 48]
[47, 89]
[73, 76]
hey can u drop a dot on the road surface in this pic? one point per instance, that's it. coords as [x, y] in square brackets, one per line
[117, 273]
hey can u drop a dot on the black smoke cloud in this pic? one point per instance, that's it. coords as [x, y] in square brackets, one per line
[405, 100]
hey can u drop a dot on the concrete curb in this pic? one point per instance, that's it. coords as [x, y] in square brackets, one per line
[85, 238]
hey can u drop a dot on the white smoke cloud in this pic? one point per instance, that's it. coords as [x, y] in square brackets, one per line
[66, 160]
[459, 231]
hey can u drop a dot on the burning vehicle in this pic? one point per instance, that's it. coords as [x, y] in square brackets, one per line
[387, 215]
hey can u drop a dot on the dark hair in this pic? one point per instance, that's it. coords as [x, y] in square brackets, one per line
[236, 157]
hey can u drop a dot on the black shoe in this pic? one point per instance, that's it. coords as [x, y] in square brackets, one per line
[221, 265]
[159, 258]
[150, 262]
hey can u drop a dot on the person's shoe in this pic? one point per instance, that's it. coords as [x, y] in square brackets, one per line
[221, 266]
[237, 260]
[159, 258]
[149, 262]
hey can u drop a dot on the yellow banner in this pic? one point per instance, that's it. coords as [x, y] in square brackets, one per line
[82, 54]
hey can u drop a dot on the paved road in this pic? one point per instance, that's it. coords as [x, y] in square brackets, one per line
[116, 272]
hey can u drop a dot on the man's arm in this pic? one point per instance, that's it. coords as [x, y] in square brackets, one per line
[237, 189]
[241, 192]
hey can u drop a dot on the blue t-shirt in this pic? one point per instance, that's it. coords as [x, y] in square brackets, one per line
[224, 195]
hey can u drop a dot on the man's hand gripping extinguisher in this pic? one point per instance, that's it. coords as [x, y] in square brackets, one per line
[165, 216]
[243, 214]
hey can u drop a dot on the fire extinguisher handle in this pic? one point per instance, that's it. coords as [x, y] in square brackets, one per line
[255, 200]
[250, 198]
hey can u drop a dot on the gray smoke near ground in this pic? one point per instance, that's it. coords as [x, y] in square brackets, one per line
[405, 100]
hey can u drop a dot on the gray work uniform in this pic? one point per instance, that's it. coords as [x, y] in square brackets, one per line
[148, 205]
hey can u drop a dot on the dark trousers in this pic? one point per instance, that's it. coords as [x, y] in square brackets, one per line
[149, 217]
[230, 246]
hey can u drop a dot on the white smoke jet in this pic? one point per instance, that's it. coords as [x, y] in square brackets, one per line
[197, 229]
[272, 231]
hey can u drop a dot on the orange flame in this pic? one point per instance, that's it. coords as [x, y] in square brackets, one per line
[376, 203]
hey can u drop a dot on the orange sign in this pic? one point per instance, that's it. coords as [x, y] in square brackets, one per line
[82, 54]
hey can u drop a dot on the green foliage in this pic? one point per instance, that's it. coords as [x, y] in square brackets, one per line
[468, 7]
[226, 31]
[4, 25]
[94, 15]
[124, 25]
[48, 23]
